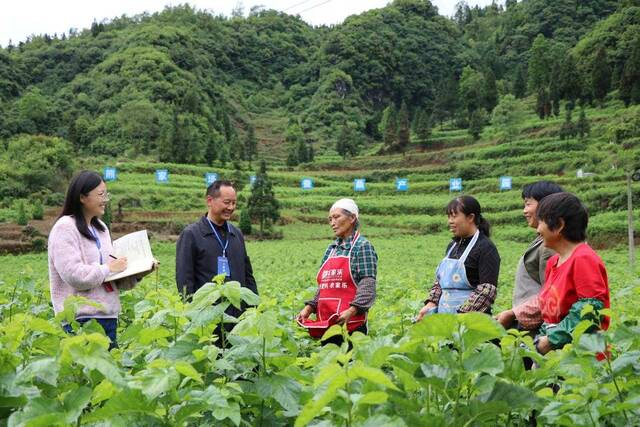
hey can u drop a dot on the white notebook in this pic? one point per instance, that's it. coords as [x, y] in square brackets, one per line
[136, 247]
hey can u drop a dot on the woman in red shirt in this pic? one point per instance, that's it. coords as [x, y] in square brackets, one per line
[575, 276]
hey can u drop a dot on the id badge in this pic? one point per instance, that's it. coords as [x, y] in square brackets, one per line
[223, 266]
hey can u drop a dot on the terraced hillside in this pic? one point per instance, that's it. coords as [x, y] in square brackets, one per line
[535, 153]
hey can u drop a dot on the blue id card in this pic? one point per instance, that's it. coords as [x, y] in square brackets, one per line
[223, 266]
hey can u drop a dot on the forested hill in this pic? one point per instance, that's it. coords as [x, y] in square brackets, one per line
[189, 87]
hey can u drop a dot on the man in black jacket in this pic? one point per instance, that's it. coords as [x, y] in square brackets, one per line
[214, 246]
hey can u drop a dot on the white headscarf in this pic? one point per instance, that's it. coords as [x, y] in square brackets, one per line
[348, 205]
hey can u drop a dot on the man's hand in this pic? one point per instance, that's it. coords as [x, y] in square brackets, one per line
[424, 310]
[507, 318]
[346, 315]
[305, 313]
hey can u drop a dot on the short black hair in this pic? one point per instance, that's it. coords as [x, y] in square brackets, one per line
[539, 190]
[213, 190]
[568, 208]
[81, 185]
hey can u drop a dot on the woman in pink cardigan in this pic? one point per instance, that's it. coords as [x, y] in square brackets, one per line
[80, 256]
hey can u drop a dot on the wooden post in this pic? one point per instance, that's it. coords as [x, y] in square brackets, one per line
[632, 250]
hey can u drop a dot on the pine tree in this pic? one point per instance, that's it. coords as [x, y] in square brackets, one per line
[630, 80]
[554, 88]
[238, 177]
[302, 151]
[601, 75]
[538, 72]
[169, 139]
[583, 129]
[292, 157]
[490, 91]
[22, 218]
[311, 154]
[297, 148]
[570, 81]
[520, 84]
[422, 127]
[250, 145]
[568, 129]
[543, 103]
[245, 222]
[348, 142]
[447, 100]
[262, 203]
[38, 210]
[388, 126]
[476, 123]
[404, 133]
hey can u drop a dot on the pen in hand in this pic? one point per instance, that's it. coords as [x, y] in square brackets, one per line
[118, 264]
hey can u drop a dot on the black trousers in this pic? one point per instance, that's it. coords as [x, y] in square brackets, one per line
[110, 327]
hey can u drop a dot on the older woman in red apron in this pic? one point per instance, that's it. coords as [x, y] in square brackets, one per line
[346, 279]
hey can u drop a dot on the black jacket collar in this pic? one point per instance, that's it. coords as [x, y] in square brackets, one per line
[205, 228]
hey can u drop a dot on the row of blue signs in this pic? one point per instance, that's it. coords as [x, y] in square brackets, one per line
[360, 184]
[162, 176]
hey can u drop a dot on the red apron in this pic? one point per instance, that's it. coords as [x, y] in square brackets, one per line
[337, 290]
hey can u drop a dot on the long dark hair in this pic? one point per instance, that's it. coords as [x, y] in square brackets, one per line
[469, 205]
[81, 184]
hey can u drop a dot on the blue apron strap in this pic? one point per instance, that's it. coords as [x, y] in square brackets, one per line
[451, 249]
[472, 243]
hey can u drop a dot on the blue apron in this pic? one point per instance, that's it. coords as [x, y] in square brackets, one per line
[452, 276]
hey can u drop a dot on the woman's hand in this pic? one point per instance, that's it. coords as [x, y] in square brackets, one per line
[544, 346]
[305, 313]
[507, 318]
[346, 315]
[117, 265]
[154, 267]
[424, 310]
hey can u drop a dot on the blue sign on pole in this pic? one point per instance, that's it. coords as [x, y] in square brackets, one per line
[110, 174]
[455, 184]
[162, 175]
[210, 178]
[252, 179]
[359, 184]
[505, 183]
[306, 184]
[402, 184]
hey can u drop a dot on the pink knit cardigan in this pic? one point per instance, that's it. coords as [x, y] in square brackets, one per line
[74, 269]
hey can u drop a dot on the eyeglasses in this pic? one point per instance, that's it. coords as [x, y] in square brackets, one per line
[106, 196]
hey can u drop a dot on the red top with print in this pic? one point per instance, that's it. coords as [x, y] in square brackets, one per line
[583, 275]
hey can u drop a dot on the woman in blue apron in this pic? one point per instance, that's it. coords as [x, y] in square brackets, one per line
[467, 277]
